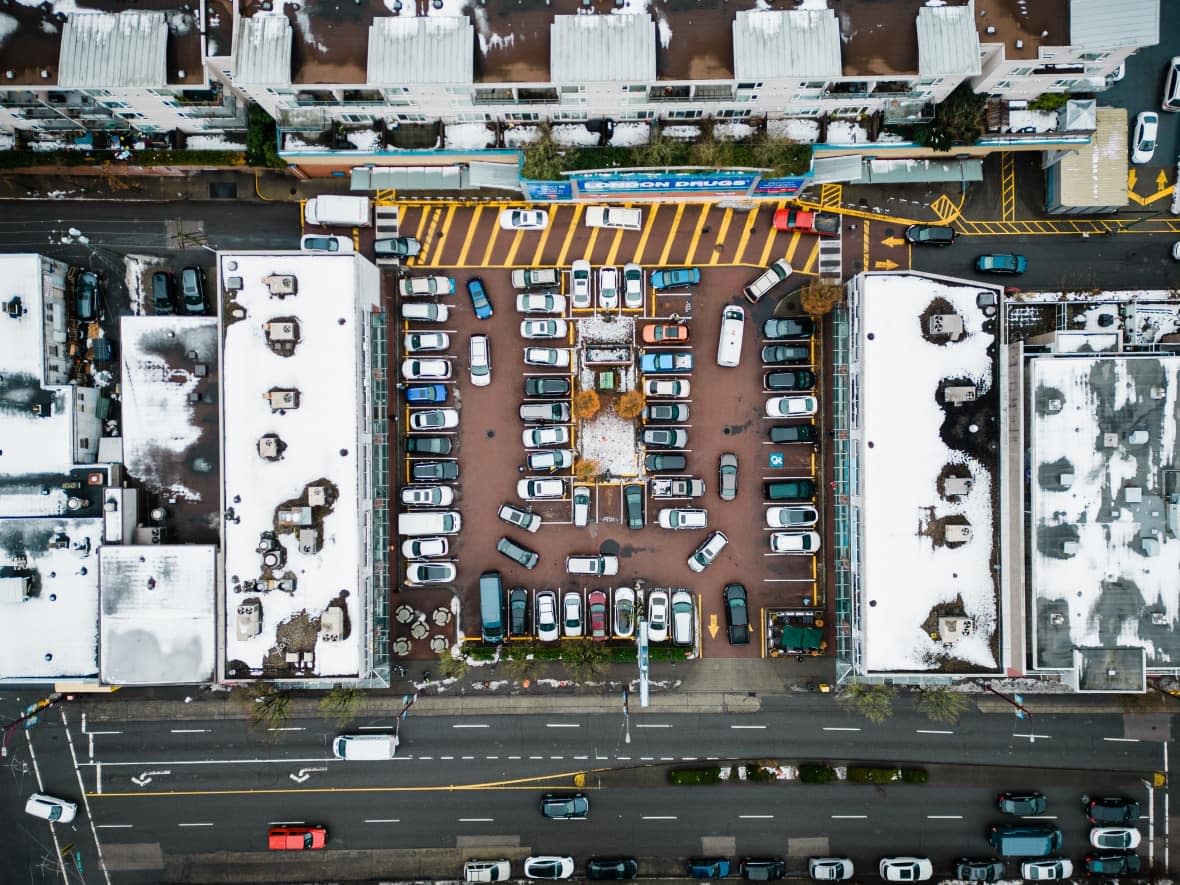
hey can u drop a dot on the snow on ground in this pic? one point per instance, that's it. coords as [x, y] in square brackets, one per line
[364, 140]
[799, 131]
[574, 135]
[469, 136]
[212, 143]
[733, 131]
[135, 274]
[905, 575]
[7, 141]
[630, 134]
[610, 441]
[596, 330]
[1032, 121]
[686, 132]
[517, 136]
[846, 132]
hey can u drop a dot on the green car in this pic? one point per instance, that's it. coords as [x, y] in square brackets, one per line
[790, 490]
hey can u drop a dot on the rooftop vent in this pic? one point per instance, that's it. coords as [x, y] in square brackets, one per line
[282, 398]
[271, 447]
[957, 486]
[958, 394]
[948, 325]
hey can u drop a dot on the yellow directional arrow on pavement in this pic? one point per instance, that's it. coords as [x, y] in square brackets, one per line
[885, 265]
[1161, 179]
[893, 241]
[713, 627]
[1131, 179]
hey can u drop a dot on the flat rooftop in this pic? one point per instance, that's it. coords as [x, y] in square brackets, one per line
[928, 476]
[1104, 552]
[1032, 25]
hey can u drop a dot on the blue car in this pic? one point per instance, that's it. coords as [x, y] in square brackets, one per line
[668, 361]
[708, 868]
[479, 298]
[1001, 262]
[671, 277]
[426, 393]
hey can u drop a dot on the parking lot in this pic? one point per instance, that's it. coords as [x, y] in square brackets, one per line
[723, 412]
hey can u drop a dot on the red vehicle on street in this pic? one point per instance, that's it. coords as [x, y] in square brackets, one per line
[825, 224]
[297, 838]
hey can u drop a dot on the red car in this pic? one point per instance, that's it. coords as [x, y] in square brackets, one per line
[596, 604]
[297, 838]
[664, 334]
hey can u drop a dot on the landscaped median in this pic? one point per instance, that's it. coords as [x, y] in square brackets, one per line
[764, 771]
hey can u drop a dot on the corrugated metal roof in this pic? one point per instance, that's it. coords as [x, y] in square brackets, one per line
[786, 43]
[597, 48]
[1096, 174]
[1102, 24]
[411, 49]
[406, 178]
[262, 51]
[101, 49]
[948, 43]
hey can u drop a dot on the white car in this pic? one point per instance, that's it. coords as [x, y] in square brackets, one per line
[479, 363]
[50, 808]
[683, 518]
[430, 572]
[580, 284]
[546, 356]
[829, 869]
[571, 614]
[540, 302]
[548, 866]
[1147, 126]
[424, 548]
[325, 243]
[1115, 838]
[551, 459]
[608, 288]
[791, 406]
[595, 566]
[906, 869]
[623, 620]
[1053, 868]
[410, 287]
[704, 555]
[632, 286]
[428, 496]
[546, 616]
[545, 437]
[799, 516]
[434, 419]
[682, 620]
[794, 542]
[425, 342]
[657, 615]
[426, 370]
[543, 329]
[581, 506]
[524, 219]
[487, 871]
[531, 489]
[666, 387]
[426, 313]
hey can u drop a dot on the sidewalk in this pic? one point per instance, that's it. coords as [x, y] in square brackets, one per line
[129, 183]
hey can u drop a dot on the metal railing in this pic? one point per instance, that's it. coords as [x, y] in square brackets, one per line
[379, 367]
[847, 627]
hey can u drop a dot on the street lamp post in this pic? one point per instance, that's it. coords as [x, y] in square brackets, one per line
[1021, 711]
[626, 716]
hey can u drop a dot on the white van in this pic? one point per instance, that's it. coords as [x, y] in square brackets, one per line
[614, 217]
[365, 746]
[338, 210]
[729, 347]
[440, 522]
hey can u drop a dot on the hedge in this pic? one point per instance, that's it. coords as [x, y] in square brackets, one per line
[813, 773]
[25, 159]
[858, 774]
[693, 776]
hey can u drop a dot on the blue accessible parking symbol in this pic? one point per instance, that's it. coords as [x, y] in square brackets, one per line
[776, 459]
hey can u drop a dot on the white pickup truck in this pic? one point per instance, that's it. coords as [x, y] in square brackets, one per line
[615, 217]
[689, 487]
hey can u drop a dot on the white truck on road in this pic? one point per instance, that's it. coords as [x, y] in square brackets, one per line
[335, 210]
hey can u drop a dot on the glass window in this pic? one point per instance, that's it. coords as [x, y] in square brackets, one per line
[685, 115]
[732, 114]
[749, 86]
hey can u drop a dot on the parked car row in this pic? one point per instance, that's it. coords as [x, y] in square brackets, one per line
[191, 301]
[549, 615]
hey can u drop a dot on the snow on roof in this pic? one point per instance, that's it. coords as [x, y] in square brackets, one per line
[324, 445]
[52, 634]
[773, 43]
[1103, 445]
[905, 572]
[114, 50]
[262, 51]
[22, 338]
[1095, 174]
[948, 43]
[421, 49]
[593, 48]
[158, 624]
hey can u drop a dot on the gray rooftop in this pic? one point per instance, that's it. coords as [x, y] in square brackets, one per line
[1110, 670]
[403, 50]
[262, 51]
[948, 44]
[112, 51]
[768, 44]
[596, 48]
[1101, 24]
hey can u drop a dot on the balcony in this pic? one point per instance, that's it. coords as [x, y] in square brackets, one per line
[493, 97]
[310, 98]
[852, 89]
[537, 96]
[669, 93]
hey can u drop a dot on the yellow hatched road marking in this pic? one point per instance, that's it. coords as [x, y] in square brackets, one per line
[867, 239]
[647, 228]
[430, 219]
[540, 250]
[569, 235]
[749, 226]
[726, 220]
[614, 248]
[810, 263]
[436, 258]
[671, 234]
[472, 227]
[487, 253]
[831, 195]
[764, 258]
[1007, 186]
[689, 258]
[514, 248]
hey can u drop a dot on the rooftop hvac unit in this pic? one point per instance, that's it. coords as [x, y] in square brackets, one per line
[294, 516]
[280, 285]
[958, 534]
[954, 628]
[152, 534]
[957, 486]
[958, 394]
[249, 619]
[16, 588]
[234, 284]
[270, 447]
[308, 540]
[317, 496]
[281, 331]
[949, 325]
[282, 398]
[332, 624]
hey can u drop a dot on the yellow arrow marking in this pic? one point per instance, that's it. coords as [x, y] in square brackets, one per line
[893, 241]
[1132, 177]
[884, 265]
[1161, 179]
[713, 626]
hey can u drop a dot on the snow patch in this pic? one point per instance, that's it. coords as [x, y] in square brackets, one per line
[846, 132]
[630, 134]
[687, 133]
[518, 136]
[1032, 121]
[733, 131]
[799, 131]
[574, 135]
[364, 140]
[469, 137]
[212, 143]
[610, 441]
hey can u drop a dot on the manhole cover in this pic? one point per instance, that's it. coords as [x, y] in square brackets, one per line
[223, 190]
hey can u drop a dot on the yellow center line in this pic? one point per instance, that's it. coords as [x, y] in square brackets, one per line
[651, 217]
[749, 226]
[696, 234]
[472, 227]
[812, 257]
[672, 234]
[545, 236]
[487, 253]
[442, 237]
[514, 248]
[726, 220]
[569, 235]
[614, 248]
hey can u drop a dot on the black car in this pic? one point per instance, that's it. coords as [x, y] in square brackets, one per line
[789, 327]
[789, 379]
[793, 433]
[1112, 864]
[428, 445]
[566, 806]
[163, 299]
[790, 490]
[518, 611]
[86, 295]
[1112, 810]
[786, 353]
[979, 870]
[763, 869]
[611, 868]
[633, 501]
[544, 385]
[737, 614]
[434, 471]
[1022, 802]
[674, 412]
[192, 290]
[930, 235]
[664, 463]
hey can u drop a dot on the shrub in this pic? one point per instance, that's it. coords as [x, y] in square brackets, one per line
[759, 774]
[817, 298]
[1049, 101]
[262, 140]
[586, 404]
[816, 773]
[914, 775]
[542, 159]
[629, 405]
[874, 702]
[694, 776]
[859, 774]
[957, 120]
[941, 704]
[585, 469]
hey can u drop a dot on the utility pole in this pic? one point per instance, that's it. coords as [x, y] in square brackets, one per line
[30, 717]
[1021, 711]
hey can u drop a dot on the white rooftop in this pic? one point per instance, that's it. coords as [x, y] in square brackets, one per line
[773, 43]
[421, 49]
[593, 48]
[158, 624]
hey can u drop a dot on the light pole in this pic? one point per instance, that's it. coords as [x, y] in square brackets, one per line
[1020, 711]
[626, 716]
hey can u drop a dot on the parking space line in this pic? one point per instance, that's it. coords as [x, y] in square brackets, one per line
[810, 263]
[487, 253]
[569, 235]
[793, 246]
[690, 256]
[718, 243]
[514, 248]
[668, 243]
[544, 237]
[588, 254]
[614, 248]
[745, 239]
[764, 258]
[473, 226]
[651, 218]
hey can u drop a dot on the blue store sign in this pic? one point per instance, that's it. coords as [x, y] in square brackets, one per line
[548, 190]
[692, 183]
[786, 187]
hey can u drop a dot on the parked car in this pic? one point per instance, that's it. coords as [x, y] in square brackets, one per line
[163, 300]
[427, 369]
[425, 312]
[623, 625]
[763, 869]
[548, 867]
[487, 871]
[434, 471]
[50, 808]
[1115, 838]
[676, 413]
[546, 616]
[550, 459]
[633, 505]
[540, 302]
[666, 361]
[930, 235]
[660, 462]
[727, 476]
[536, 278]
[1112, 864]
[533, 412]
[794, 542]
[682, 518]
[423, 573]
[829, 869]
[86, 296]
[524, 219]
[786, 353]
[425, 342]
[426, 393]
[533, 489]
[325, 243]
[1146, 134]
[410, 287]
[564, 806]
[518, 554]
[675, 277]
[434, 419]
[791, 517]
[611, 868]
[789, 379]
[790, 490]
[1021, 802]
[519, 517]
[905, 869]
[479, 361]
[791, 406]
[683, 628]
[518, 612]
[546, 385]
[580, 284]
[540, 437]
[1114, 810]
[424, 548]
[479, 299]
[571, 614]
[793, 433]
[1001, 263]
[708, 868]
[737, 614]
[429, 445]
[396, 247]
[540, 329]
[665, 333]
[550, 357]
[1051, 868]
[657, 615]
[596, 614]
[595, 566]
[581, 500]
[296, 838]
[790, 328]
[632, 286]
[658, 437]
[673, 387]
[778, 271]
[709, 549]
[192, 291]
[979, 870]
[608, 288]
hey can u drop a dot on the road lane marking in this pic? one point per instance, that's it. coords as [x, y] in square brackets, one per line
[373, 727]
[850, 817]
[756, 816]
[747, 726]
[562, 725]
[472, 725]
[581, 757]
[113, 826]
[468, 758]
[1120, 740]
[1032, 736]
[382, 820]
[188, 730]
[196, 825]
[1038, 817]
[652, 725]
[838, 728]
[476, 820]
[944, 817]
[660, 817]
[932, 731]
[288, 728]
